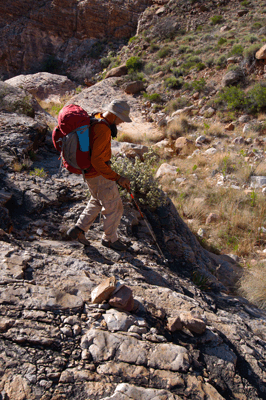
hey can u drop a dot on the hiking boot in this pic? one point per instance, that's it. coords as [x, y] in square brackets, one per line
[78, 234]
[117, 245]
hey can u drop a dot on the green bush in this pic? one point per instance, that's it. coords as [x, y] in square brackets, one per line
[221, 61]
[216, 19]
[209, 62]
[256, 26]
[134, 64]
[183, 49]
[105, 62]
[236, 99]
[141, 174]
[199, 85]
[191, 62]
[233, 97]
[256, 98]
[249, 53]
[163, 52]
[38, 172]
[237, 50]
[150, 68]
[132, 39]
[250, 38]
[173, 83]
[222, 41]
[200, 66]
[154, 97]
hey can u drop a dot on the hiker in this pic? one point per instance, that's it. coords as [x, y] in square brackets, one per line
[101, 179]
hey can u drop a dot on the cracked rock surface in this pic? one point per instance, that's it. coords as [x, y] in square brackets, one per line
[179, 342]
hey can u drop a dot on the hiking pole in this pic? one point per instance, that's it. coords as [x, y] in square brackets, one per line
[151, 232]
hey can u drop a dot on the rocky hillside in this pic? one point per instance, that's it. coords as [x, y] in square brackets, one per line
[90, 323]
[171, 331]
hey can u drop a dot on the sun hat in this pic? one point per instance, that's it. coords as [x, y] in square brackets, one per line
[120, 108]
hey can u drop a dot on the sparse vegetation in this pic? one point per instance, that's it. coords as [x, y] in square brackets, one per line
[134, 64]
[141, 175]
[216, 19]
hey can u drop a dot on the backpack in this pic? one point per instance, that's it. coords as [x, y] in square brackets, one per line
[72, 138]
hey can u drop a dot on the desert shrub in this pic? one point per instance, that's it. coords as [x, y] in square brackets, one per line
[256, 26]
[216, 19]
[133, 39]
[200, 66]
[191, 62]
[141, 174]
[221, 61]
[154, 97]
[183, 49]
[236, 99]
[173, 83]
[134, 64]
[154, 47]
[150, 68]
[237, 50]
[249, 53]
[38, 172]
[199, 85]
[163, 52]
[105, 62]
[177, 104]
[250, 38]
[233, 97]
[222, 41]
[256, 98]
[209, 62]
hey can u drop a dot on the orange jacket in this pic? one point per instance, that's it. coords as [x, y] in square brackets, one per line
[100, 143]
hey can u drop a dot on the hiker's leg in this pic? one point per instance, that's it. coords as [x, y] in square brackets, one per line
[112, 208]
[93, 207]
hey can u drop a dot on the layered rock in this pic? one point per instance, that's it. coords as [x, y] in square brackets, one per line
[36, 35]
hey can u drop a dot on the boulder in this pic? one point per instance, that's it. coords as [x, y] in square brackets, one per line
[184, 145]
[230, 127]
[166, 170]
[133, 87]
[232, 77]
[122, 298]
[195, 325]
[44, 85]
[103, 291]
[116, 72]
[261, 53]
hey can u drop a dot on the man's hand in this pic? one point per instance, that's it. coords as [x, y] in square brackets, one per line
[124, 183]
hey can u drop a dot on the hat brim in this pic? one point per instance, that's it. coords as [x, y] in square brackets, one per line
[124, 118]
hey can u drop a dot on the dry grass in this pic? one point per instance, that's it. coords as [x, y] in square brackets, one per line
[253, 284]
[180, 126]
[139, 134]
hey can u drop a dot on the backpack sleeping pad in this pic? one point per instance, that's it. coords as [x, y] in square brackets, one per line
[72, 138]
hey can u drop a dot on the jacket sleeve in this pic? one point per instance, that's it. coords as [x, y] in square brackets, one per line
[101, 152]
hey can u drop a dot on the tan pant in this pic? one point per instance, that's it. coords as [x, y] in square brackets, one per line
[104, 197]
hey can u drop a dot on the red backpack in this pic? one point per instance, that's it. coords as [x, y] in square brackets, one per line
[72, 138]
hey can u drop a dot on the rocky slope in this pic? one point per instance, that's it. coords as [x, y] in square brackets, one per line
[187, 334]
[181, 340]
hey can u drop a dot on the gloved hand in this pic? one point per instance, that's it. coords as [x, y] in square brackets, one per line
[124, 183]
